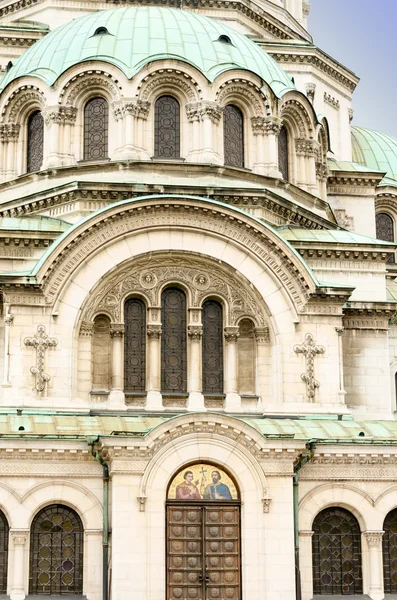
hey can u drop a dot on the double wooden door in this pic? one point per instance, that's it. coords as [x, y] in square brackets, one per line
[203, 551]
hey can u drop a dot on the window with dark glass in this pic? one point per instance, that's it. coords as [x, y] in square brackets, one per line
[336, 553]
[283, 153]
[4, 532]
[96, 126]
[167, 128]
[35, 143]
[385, 230]
[56, 552]
[173, 341]
[134, 345]
[212, 348]
[389, 549]
[233, 136]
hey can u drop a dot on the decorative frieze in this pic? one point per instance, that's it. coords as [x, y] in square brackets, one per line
[40, 342]
[309, 349]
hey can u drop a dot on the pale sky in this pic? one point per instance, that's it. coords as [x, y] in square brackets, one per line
[362, 35]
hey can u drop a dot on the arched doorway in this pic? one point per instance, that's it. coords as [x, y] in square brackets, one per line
[336, 553]
[203, 535]
[56, 552]
[389, 549]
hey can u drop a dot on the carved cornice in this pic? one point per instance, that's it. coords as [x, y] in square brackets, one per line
[371, 315]
[354, 255]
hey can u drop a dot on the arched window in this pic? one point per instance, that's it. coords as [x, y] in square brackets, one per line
[389, 549]
[134, 345]
[246, 357]
[212, 348]
[173, 341]
[101, 354]
[96, 125]
[167, 128]
[336, 553]
[56, 552]
[35, 143]
[4, 532]
[233, 136]
[385, 230]
[283, 153]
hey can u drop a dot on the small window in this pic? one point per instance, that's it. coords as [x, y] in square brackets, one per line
[35, 142]
[283, 153]
[101, 31]
[96, 125]
[167, 128]
[233, 136]
[385, 230]
[225, 39]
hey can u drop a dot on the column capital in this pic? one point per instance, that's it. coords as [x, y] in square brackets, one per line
[339, 330]
[19, 536]
[60, 115]
[195, 332]
[262, 335]
[117, 330]
[306, 533]
[231, 333]
[306, 147]
[266, 125]
[9, 131]
[374, 538]
[86, 329]
[8, 319]
[197, 111]
[154, 331]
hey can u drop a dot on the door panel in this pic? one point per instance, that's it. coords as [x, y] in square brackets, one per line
[203, 552]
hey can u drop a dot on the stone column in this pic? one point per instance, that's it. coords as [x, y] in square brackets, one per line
[8, 319]
[209, 115]
[68, 115]
[262, 337]
[17, 588]
[116, 396]
[374, 541]
[233, 400]
[272, 128]
[85, 359]
[154, 397]
[342, 391]
[93, 559]
[51, 152]
[306, 151]
[196, 398]
[9, 133]
[322, 173]
[305, 563]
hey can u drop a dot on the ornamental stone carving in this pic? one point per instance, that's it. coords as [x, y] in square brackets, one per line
[306, 147]
[198, 111]
[310, 91]
[154, 331]
[240, 298]
[22, 98]
[41, 342]
[9, 131]
[19, 536]
[58, 115]
[231, 334]
[195, 332]
[309, 349]
[154, 81]
[374, 538]
[86, 81]
[247, 91]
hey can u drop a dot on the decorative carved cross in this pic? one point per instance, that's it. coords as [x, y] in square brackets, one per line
[40, 341]
[309, 349]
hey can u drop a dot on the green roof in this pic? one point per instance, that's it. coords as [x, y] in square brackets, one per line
[329, 236]
[320, 429]
[350, 167]
[46, 224]
[377, 151]
[138, 35]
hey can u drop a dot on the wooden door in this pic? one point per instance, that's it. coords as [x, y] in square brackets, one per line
[203, 551]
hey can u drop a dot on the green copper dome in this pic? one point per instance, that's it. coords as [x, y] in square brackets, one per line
[138, 35]
[377, 151]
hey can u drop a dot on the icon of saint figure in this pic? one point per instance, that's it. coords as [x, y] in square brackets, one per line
[217, 490]
[187, 490]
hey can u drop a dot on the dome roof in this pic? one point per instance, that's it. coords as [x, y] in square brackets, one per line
[138, 35]
[377, 151]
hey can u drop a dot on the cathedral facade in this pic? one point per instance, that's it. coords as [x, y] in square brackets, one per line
[198, 335]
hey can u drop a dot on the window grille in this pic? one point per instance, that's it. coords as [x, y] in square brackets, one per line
[56, 552]
[173, 341]
[212, 348]
[336, 553]
[167, 128]
[385, 230]
[233, 136]
[134, 345]
[35, 142]
[96, 125]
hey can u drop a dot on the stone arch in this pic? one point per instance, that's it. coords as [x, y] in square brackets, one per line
[114, 224]
[189, 273]
[69, 493]
[351, 498]
[246, 95]
[19, 103]
[10, 504]
[172, 81]
[78, 88]
[298, 114]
